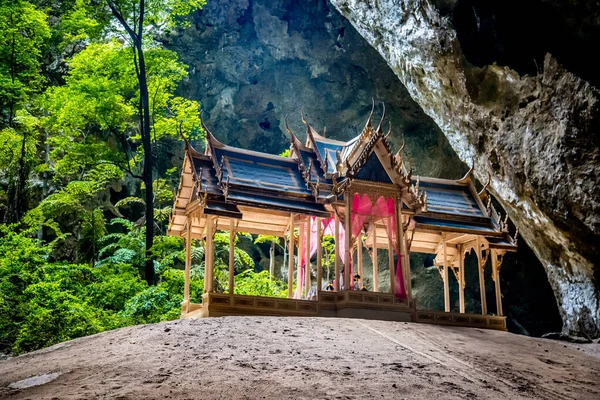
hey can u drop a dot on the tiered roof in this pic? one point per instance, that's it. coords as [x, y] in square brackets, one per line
[228, 182]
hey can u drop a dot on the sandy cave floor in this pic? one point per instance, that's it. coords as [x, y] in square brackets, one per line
[293, 358]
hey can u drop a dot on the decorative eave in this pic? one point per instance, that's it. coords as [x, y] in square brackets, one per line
[311, 139]
[374, 140]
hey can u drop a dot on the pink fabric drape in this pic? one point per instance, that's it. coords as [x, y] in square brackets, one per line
[327, 229]
[362, 211]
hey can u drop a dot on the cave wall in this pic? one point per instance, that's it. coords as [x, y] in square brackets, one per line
[253, 62]
[536, 135]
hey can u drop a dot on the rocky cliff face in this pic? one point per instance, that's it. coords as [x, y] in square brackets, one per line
[254, 61]
[537, 136]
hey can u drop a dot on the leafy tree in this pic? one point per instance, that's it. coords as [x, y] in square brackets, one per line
[136, 18]
[24, 32]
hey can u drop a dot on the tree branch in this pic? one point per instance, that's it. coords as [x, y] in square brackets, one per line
[122, 21]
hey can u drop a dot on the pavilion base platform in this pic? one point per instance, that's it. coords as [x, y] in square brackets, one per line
[462, 319]
[343, 304]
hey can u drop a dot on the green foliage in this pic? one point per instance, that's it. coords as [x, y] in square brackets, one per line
[259, 284]
[83, 275]
[24, 32]
[285, 153]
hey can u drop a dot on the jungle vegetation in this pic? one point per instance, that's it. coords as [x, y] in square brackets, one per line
[91, 145]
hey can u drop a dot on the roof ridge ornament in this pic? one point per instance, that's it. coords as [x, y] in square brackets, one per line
[467, 178]
[378, 130]
[483, 192]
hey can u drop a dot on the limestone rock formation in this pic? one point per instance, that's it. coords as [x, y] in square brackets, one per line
[253, 62]
[537, 136]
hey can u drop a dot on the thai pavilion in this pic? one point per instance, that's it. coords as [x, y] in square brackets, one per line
[360, 193]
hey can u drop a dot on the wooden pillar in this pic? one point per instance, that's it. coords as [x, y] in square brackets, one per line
[407, 259]
[391, 264]
[375, 262]
[209, 254]
[481, 268]
[404, 257]
[307, 283]
[291, 259]
[359, 255]
[461, 280]
[348, 228]
[319, 257]
[299, 282]
[496, 275]
[231, 255]
[188, 265]
[446, 280]
[337, 252]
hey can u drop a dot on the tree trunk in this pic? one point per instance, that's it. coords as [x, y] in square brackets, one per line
[16, 201]
[45, 177]
[148, 162]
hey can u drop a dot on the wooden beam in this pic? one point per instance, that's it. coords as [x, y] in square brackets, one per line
[375, 262]
[231, 255]
[461, 280]
[291, 258]
[404, 263]
[481, 268]
[337, 253]
[446, 280]
[319, 257]
[209, 252]
[348, 228]
[359, 256]
[307, 282]
[391, 264]
[496, 276]
[188, 267]
[299, 282]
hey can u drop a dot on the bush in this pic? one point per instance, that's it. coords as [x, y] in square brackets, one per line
[259, 284]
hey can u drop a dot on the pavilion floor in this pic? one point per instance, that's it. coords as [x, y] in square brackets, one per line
[343, 304]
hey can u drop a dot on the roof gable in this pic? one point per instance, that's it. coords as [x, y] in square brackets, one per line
[373, 170]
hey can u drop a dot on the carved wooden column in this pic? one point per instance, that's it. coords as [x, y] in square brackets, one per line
[291, 259]
[359, 255]
[300, 255]
[391, 263]
[231, 255]
[497, 256]
[481, 261]
[461, 279]
[348, 228]
[407, 259]
[446, 280]
[209, 254]
[337, 252]
[307, 263]
[319, 257]
[375, 261]
[402, 245]
[188, 265]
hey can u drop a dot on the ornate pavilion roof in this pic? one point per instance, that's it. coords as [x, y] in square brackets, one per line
[226, 181]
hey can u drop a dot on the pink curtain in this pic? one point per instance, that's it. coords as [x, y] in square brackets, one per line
[386, 209]
[327, 228]
[363, 210]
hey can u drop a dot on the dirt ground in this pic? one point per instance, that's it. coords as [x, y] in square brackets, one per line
[293, 358]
